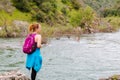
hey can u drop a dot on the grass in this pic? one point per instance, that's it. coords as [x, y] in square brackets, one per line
[56, 31]
[21, 16]
[15, 15]
[8, 18]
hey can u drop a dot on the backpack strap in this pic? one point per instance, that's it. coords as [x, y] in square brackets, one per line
[32, 34]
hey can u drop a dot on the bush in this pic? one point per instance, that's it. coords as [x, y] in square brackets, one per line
[76, 4]
[65, 1]
[38, 2]
[76, 18]
[111, 12]
[22, 5]
[65, 11]
[47, 12]
[82, 17]
[46, 7]
[40, 16]
[88, 15]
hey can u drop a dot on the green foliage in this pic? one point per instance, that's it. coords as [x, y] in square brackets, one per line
[48, 7]
[114, 21]
[47, 11]
[76, 18]
[6, 22]
[65, 11]
[114, 11]
[57, 13]
[40, 16]
[22, 5]
[76, 4]
[88, 14]
[111, 12]
[104, 7]
[38, 2]
[82, 17]
[16, 15]
[65, 1]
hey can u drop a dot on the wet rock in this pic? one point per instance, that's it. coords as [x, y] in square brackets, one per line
[114, 77]
[13, 75]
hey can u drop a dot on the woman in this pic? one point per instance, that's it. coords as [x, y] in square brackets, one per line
[34, 60]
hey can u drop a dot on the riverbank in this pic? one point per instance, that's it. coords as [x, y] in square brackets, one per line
[62, 18]
[19, 29]
[103, 25]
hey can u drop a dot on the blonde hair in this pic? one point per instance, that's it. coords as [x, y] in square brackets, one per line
[33, 27]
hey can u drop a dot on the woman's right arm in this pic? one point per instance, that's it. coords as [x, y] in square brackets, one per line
[39, 39]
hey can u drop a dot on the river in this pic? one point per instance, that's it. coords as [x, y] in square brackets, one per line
[94, 56]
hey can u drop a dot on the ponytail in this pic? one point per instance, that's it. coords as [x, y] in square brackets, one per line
[33, 27]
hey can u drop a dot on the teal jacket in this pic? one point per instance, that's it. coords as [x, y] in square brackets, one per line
[34, 60]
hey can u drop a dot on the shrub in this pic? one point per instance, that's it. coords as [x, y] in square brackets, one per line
[65, 1]
[82, 17]
[65, 11]
[111, 12]
[76, 18]
[76, 4]
[22, 5]
[38, 2]
[88, 15]
[40, 16]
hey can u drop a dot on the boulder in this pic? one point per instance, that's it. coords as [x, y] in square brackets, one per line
[22, 26]
[13, 75]
[114, 77]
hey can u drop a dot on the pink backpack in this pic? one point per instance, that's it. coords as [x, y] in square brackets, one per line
[29, 45]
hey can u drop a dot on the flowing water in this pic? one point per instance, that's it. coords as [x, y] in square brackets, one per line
[94, 56]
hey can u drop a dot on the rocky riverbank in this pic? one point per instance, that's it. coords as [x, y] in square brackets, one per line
[13, 75]
[114, 77]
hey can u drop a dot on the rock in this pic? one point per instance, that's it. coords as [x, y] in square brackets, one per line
[13, 75]
[114, 77]
[6, 5]
[44, 40]
[0, 28]
[22, 26]
[20, 23]
[103, 79]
